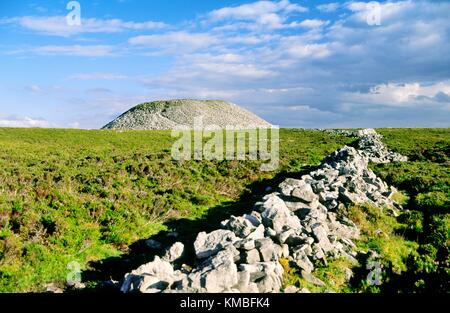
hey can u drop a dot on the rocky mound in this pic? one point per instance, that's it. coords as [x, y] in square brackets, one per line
[301, 221]
[371, 146]
[165, 115]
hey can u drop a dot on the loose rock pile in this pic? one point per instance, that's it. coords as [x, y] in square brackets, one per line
[371, 146]
[299, 222]
[170, 114]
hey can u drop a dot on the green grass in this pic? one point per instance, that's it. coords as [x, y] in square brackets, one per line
[88, 196]
[333, 275]
[419, 144]
[413, 249]
[425, 179]
[381, 233]
[85, 196]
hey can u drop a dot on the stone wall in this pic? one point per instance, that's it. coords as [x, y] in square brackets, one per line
[299, 222]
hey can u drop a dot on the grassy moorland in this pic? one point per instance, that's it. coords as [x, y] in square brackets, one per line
[425, 181]
[85, 196]
[414, 248]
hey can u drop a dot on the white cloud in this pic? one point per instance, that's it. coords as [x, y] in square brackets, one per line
[25, 122]
[70, 50]
[389, 11]
[262, 56]
[255, 10]
[356, 6]
[328, 7]
[241, 70]
[248, 39]
[175, 41]
[57, 25]
[268, 14]
[300, 108]
[311, 23]
[308, 51]
[322, 66]
[217, 58]
[408, 94]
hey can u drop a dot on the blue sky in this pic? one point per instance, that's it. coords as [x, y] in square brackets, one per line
[313, 64]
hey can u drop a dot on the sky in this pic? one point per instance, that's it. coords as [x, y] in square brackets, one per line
[306, 64]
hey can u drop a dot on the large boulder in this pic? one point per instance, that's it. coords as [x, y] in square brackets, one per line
[250, 257]
[302, 261]
[268, 276]
[321, 235]
[268, 250]
[175, 252]
[304, 193]
[277, 216]
[217, 274]
[288, 185]
[152, 277]
[241, 226]
[208, 244]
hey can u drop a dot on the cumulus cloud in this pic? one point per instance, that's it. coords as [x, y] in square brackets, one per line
[311, 23]
[393, 94]
[58, 26]
[266, 14]
[344, 68]
[328, 7]
[242, 70]
[256, 10]
[175, 41]
[296, 69]
[309, 51]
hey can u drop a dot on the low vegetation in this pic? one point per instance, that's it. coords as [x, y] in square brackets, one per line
[425, 179]
[72, 195]
[413, 248]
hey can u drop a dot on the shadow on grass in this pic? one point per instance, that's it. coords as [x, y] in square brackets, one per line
[114, 268]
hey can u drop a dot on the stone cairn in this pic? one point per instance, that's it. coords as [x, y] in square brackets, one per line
[299, 222]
